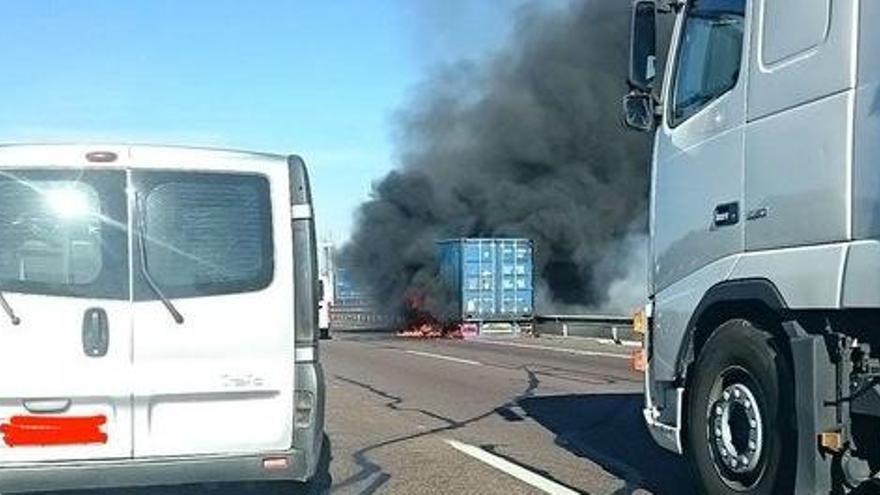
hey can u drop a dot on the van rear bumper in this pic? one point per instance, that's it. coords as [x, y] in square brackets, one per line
[153, 471]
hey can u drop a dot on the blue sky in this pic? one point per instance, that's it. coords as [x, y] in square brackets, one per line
[319, 78]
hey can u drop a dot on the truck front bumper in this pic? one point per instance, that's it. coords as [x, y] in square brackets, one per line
[665, 435]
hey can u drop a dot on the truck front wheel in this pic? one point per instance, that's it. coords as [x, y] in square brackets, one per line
[740, 434]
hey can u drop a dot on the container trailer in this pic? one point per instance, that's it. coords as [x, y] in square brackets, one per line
[491, 281]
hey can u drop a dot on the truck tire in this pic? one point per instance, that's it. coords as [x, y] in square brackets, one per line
[740, 435]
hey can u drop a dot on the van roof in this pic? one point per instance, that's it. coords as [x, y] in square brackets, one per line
[129, 155]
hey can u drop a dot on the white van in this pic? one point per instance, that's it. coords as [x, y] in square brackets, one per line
[157, 318]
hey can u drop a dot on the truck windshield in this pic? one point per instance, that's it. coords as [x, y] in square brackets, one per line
[63, 233]
[207, 233]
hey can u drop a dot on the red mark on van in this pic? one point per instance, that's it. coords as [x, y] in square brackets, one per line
[21, 431]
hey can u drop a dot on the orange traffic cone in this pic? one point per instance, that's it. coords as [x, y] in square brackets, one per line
[637, 360]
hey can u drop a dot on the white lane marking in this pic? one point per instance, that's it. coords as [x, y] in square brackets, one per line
[578, 352]
[509, 468]
[625, 343]
[599, 340]
[444, 357]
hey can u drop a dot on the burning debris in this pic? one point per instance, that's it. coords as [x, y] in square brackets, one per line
[419, 322]
[525, 145]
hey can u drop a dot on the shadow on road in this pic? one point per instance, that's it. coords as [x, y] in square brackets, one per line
[369, 470]
[319, 485]
[609, 430]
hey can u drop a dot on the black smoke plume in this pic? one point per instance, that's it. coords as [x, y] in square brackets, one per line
[528, 144]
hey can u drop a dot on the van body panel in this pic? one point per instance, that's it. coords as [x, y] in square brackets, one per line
[45, 360]
[227, 367]
[64, 257]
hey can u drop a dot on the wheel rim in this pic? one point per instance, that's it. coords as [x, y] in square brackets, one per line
[735, 428]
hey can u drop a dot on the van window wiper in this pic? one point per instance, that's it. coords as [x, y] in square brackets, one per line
[142, 244]
[8, 310]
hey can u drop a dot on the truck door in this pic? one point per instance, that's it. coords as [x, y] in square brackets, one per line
[215, 362]
[699, 154]
[65, 331]
[799, 136]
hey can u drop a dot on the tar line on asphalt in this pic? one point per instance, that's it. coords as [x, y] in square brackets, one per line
[565, 350]
[509, 468]
[444, 357]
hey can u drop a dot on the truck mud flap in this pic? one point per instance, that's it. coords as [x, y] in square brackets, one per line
[814, 385]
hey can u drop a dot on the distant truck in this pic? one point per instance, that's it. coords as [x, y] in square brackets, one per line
[347, 292]
[763, 324]
[491, 281]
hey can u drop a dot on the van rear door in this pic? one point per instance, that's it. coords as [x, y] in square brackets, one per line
[65, 373]
[216, 245]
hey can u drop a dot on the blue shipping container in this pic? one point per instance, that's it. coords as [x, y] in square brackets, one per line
[491, 279]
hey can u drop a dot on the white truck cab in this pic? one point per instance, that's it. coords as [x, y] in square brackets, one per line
[764, 331]
[158, 320]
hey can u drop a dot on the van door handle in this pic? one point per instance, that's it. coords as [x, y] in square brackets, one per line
[95, 332]
[725, 214]
[38, 406]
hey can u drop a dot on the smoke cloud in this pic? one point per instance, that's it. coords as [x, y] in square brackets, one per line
[528, 144]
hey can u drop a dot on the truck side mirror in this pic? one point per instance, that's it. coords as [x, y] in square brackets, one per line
[320, 290]
[638, 111]
[643, 46]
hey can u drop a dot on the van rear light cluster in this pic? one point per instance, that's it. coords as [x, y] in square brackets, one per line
[303, 405]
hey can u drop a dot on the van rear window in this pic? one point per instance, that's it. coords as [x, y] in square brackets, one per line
[63, 233]
[207, 233]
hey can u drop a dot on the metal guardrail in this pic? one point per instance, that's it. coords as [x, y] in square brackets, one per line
[613, 327]
[591, 318]
[362, 318]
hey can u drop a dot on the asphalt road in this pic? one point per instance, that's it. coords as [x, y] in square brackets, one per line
[505, 417]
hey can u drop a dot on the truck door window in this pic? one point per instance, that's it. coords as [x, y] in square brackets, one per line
[792, 27]
[709, 55]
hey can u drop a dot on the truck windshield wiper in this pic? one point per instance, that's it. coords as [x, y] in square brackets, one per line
[8, 310]
[142, 245]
